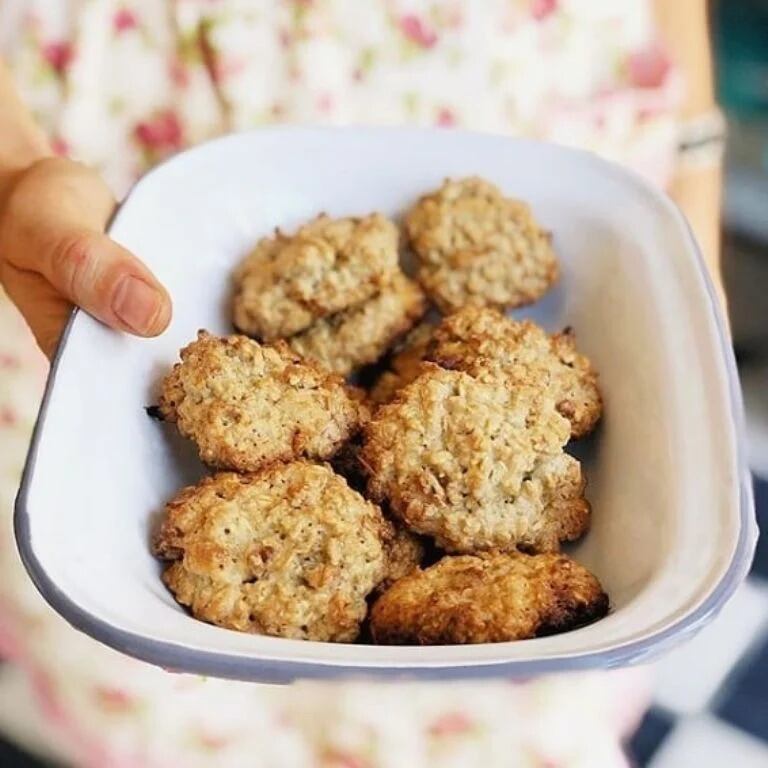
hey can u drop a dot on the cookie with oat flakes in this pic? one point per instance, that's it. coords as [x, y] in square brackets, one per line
[405, 553]
[404, 365]
[328, 265]
[483, 342]
[291, 551]
[476, 465]
[476, 247]
[488, 598]
[361, 334]
[247, 405]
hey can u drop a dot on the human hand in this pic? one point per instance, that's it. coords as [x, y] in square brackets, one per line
[54, 254]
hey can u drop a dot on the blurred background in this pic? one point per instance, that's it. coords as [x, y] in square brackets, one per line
[711, 702]
[712, 695]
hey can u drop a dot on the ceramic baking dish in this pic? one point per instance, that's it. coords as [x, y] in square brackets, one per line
[673, 530]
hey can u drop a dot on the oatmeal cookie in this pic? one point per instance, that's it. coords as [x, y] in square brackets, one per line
[405, 364]
[246, 405]
[289, 282]
[475, 464]
[477, 247]
[360, 335]
[488, 598]
[405, 553]
[483, 342]
[290, 551]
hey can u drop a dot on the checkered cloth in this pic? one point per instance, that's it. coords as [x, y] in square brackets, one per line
[711, 706]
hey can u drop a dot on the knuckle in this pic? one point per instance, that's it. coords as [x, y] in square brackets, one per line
[25, 188]
[72, 260]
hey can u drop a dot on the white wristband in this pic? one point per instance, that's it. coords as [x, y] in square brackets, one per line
[701, 139]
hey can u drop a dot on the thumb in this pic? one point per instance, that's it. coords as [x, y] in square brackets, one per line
[107, 281]
[40, 303]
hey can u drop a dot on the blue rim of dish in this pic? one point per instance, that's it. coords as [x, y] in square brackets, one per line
[179, 658]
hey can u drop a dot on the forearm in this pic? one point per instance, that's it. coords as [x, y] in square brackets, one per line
[698, 192]
[696, 187]
[684, 25]
[22, 141]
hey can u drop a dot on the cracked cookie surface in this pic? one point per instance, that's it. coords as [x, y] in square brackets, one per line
[291, 551]
[360, 335]
[477, 247]
[485, 343]
[475, 464]
[289, 281]
[488, 598]
[247, 405]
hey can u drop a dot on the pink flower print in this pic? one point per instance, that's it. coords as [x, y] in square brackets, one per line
[294, 72]
[9, 362]
[8, 418]
[10, 647]
[160, 133]
[59, 146]
[451, 723]
[646, 114]
[540, 9]
[178, 73]
[334, 758]
[45, 690]
[445, 117]
[116, 700]
[212, 742]
[59, 55]
[124, 20]
[417, 31]
[449, 16]
[285, 719]
[225, 67]
[649, 66]
[325, 104]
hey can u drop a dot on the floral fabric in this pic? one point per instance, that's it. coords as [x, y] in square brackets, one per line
[122, 84]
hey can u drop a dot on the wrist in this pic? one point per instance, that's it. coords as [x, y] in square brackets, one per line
[701, 139]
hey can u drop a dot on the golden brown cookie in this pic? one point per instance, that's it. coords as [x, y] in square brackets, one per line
[405, 364]
[247, 405]
[475, 464]
[485, 343]
[404, 555]
[360, 335]
[477, 247]
[488, 598]
[289, 282]
[290, 551]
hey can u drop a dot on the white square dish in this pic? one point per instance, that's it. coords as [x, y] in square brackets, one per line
[673, 530]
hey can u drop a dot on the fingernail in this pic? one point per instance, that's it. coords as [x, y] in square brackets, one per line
[137, 304]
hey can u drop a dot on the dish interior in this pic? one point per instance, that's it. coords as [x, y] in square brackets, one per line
[664, 494]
